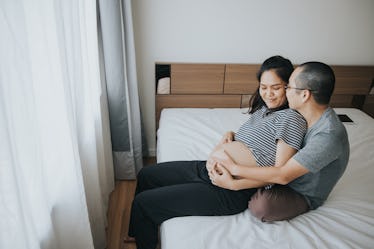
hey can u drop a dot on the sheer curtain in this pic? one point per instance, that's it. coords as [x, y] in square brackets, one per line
[56, 169]
[122, 86]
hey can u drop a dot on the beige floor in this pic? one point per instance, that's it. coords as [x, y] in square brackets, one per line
[119, 212]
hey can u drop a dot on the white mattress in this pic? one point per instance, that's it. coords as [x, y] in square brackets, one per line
[346, 220]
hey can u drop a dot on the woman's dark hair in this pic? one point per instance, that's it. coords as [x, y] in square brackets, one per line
[282, 67]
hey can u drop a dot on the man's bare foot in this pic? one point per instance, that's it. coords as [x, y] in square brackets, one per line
[129, 239]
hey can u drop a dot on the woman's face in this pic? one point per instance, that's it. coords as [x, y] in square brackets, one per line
[272, 89]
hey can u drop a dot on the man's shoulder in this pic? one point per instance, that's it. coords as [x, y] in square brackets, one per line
[330, 122]
[330, 128]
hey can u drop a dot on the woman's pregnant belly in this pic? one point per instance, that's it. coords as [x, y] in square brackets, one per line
[238, 152]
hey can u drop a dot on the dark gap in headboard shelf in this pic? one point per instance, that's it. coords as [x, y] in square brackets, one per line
[162, 71]
[224, 77]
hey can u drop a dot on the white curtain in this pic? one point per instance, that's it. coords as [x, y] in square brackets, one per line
[117, 39]
[56, 169]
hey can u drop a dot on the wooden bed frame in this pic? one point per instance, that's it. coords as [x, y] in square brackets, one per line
[199, 85]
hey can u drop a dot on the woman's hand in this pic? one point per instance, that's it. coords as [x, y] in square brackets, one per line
[227, 137]
[220, 177]
[222, 158]
[210, 164]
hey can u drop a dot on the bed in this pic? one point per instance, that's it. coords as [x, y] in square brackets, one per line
[191, 123]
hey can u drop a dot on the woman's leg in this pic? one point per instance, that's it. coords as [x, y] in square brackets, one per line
[160, 175]
[168, 173]
[278, 203]
[198, 197]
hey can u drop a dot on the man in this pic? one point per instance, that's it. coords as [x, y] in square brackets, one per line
[307, 179]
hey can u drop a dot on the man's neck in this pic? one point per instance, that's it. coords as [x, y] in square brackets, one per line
[312, 113]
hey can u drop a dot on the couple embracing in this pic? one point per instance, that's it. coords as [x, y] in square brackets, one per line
[282, 162]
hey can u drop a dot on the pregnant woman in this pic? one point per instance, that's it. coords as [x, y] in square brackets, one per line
[272, 134]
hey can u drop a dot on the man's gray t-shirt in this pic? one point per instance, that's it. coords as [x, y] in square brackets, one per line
[325, 153]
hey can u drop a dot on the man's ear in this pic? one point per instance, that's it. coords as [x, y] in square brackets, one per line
[306, 95]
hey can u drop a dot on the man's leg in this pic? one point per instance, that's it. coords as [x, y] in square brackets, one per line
[278, 203]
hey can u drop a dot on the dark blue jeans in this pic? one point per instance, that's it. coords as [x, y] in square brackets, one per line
[176, 189]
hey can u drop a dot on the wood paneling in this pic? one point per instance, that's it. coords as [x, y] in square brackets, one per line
[241, 78]
[353, 79]
[195, 101]
[197, 78]
[341, 101]
[245, 101]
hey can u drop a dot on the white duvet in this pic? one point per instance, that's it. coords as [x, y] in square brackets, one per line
[346, 220]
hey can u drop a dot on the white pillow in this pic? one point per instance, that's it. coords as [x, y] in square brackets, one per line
[163, 86]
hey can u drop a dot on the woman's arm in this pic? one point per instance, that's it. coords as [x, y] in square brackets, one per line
[284, 153]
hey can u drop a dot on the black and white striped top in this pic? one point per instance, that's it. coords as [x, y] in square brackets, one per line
[263, 128]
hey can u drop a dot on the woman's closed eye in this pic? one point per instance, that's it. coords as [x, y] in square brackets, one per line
[277, 86]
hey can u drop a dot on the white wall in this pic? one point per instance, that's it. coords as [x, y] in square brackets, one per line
[247, 31]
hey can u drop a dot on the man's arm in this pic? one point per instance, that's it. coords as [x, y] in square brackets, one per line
[281, 175]
[221, 177]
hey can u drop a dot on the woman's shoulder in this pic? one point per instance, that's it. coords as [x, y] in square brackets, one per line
[291, 116]
[290, 112]
[259, 112]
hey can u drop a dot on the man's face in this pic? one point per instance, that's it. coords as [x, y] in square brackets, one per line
[293, 93]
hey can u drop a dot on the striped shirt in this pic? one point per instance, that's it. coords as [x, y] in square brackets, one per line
[263, 129]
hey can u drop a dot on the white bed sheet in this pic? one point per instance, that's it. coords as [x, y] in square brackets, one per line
[346, 220]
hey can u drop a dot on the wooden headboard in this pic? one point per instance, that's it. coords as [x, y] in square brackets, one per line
[201, 85]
